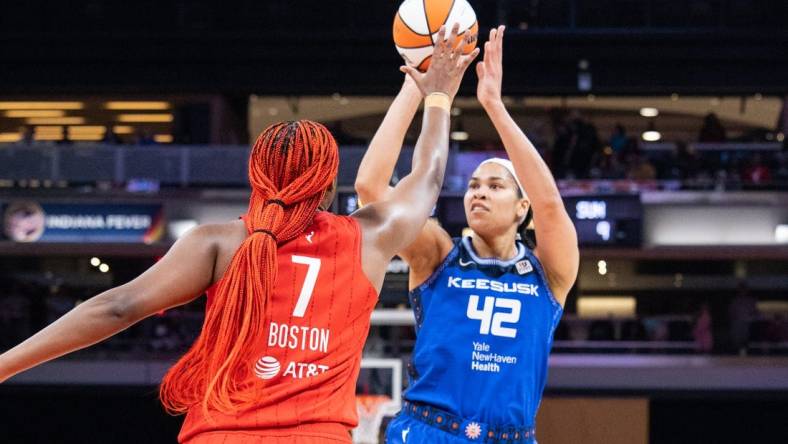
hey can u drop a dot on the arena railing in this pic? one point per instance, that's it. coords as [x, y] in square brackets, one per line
[226, 165]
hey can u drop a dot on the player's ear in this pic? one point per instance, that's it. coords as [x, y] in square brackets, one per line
[523, 206]
[328, 198]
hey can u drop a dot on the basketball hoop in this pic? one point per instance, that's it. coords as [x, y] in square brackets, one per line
[371, 410]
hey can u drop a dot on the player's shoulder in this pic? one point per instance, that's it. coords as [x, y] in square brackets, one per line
[325, 220]
[225, 235]
[234, 228]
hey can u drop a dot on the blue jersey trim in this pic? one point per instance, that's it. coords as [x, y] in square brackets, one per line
[439, 269]
[559, 309]
[415, 295]
[466, 242]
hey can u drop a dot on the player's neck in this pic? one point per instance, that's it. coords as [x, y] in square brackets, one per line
[499, 247]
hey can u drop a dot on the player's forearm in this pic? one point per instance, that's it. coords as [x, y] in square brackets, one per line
[377, 166]
[92, 321]
[531, 169]
[430, 155]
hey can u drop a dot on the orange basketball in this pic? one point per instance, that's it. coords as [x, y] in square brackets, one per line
[418, 21]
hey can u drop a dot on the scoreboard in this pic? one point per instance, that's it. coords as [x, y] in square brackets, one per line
[606, 219]
[600, 220]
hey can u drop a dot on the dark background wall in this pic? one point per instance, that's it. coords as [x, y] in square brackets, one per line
[120, 415]
[318, 47]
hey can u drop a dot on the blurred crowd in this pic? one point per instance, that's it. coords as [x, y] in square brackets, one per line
[26, 308]
[720, 325]
[580, 152]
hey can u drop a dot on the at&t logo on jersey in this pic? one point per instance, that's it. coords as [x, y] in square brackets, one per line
[267, 367]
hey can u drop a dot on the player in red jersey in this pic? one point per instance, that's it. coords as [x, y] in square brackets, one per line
[290, 287]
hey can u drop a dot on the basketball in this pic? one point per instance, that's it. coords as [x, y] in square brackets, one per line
[418, 21]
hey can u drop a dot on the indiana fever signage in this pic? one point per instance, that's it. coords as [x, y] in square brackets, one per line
[33, 222]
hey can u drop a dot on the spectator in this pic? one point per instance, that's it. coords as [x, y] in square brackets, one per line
[781, 170]
[712, 129]
[66, 140]
[584, 144]
[607, 166]
[14, 318]
[656, 329]
[757, 173]
[685, 161]
[742, 310]
[110, 137]
[640, 168]
[618, 140]
[602, 330]
[633, 330]
[701, 332]
[142, 137]
[563, 139]
[27, 135]
[782, 122]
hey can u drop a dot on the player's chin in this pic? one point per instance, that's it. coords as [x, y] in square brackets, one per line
[475, 218]
[480, 223]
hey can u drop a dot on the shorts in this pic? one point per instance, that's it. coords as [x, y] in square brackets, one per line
[405, 429]
[329, 433]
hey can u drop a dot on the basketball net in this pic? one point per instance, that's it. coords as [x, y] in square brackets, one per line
[371, 410]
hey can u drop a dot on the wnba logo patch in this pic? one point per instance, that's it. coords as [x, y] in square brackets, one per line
[267, 367]
[524, 267]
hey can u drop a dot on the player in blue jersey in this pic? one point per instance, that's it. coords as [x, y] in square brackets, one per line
[486, 305]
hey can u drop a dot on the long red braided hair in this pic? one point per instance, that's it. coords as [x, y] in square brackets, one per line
[291, 166]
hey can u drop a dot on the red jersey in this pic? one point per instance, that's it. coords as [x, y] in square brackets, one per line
[308, 356]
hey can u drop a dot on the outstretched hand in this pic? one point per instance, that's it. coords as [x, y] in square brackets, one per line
[410, 87]
[490, 69]
[447, 66]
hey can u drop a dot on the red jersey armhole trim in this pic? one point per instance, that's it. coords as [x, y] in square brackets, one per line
[359, 254]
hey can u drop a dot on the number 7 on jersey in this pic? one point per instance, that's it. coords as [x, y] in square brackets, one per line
[309, 283]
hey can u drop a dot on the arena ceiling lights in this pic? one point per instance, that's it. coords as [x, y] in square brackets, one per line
[41, 105]
[137, 106]
[56, 121]
[649, 112]
[145, 118]
[26, 113]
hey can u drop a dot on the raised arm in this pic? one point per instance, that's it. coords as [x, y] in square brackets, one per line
[183, 274]
[394, 223]
[377, 166]
[555, 234]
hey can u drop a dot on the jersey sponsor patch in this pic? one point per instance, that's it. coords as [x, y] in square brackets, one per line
[267, 367]
[524, 267]
[493, 285]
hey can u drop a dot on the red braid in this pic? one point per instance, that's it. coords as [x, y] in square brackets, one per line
[291, 166]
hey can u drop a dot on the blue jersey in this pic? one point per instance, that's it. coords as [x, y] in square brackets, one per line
[484, 331]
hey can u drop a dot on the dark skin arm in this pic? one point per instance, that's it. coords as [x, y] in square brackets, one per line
[179, 277]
